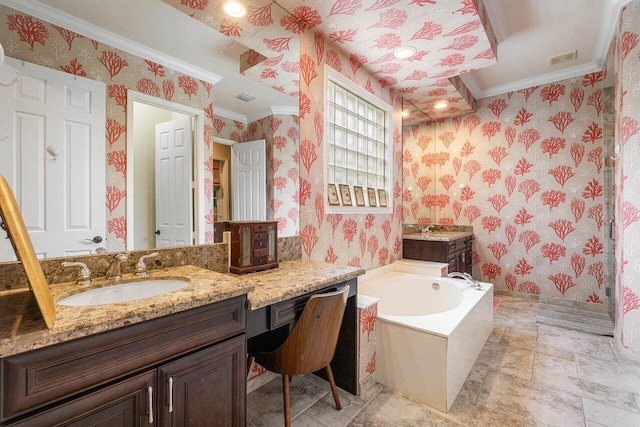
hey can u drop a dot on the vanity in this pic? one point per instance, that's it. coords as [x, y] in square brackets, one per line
[178, 359]
[453, 247]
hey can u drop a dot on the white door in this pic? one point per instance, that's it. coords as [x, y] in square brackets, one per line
[249, 180]
[52, 153]
[174, 141]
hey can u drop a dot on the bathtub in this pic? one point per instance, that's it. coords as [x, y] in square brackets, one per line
[430, 330]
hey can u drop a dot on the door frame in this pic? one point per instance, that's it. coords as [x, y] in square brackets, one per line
[230, 143]
[198, 160]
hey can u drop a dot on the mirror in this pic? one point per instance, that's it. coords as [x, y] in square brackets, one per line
[419, 164]
[232, 118]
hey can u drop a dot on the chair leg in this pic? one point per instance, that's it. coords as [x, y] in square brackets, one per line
[287, 404]
[334, 390]
[250, 360]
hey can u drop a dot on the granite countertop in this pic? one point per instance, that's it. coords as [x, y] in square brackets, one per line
[23, 329]
[27, 331]
[439, 236]
[294, 278]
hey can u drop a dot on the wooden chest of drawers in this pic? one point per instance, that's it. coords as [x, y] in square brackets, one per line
[254, 246]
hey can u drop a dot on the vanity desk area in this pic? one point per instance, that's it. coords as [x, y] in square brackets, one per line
[161, 363]
[279, 296]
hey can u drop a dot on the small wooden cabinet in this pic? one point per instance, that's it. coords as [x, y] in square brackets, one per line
[456, 253]
[184, 369]
[254, 246]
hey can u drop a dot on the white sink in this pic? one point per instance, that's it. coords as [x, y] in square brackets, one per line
[123, 292]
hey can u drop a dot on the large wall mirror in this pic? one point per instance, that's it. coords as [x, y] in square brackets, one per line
[270, 112]
[419, 165]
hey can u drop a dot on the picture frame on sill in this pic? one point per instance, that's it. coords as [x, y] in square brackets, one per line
[359, 193]
[382, 197]
[332, 194]
[345, 193]
[372, 197]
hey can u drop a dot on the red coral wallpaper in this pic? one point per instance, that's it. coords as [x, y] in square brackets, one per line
[531, 166]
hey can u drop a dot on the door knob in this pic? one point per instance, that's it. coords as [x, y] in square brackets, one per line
[96, 239]
[157, 232]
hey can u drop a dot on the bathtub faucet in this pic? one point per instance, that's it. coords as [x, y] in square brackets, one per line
[468, 278]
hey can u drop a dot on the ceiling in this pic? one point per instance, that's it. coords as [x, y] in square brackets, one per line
[466, 50]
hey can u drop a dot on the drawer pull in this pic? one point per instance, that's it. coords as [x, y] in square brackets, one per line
[170, 394]
[150, 395]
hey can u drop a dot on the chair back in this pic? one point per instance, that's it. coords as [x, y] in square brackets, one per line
[311, 344]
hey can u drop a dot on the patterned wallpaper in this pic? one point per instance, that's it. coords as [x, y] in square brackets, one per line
[532, 164]
[282, 142]
[27, 38]
[364, 240]
[626, 55]
[281, 136]
[419, 171]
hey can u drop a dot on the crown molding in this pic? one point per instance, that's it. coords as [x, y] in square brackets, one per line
[612, 10]
[540, 80]
[610, 17]
[227, 114]
[272, 111]
[101, 35]
[496, 18]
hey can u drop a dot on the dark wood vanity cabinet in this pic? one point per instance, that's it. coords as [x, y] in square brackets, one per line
[456, 253]
[254, 246]
[188, 368]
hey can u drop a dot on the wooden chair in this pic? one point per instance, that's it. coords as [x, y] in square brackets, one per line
[311, 344]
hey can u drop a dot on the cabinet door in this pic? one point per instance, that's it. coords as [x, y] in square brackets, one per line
[206, 388]
[126, 403]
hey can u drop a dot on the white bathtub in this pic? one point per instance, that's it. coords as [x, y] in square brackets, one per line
[428, 339]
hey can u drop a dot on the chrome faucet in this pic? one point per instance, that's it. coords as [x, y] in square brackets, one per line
[468, 278]
[113, 272]
[84, 273]
[141, 267]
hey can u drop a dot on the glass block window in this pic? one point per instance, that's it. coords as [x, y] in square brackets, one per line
[357, 142]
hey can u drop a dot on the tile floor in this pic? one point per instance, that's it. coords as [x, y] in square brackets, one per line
[526, 375]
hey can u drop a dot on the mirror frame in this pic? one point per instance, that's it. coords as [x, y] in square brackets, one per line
[17, 233]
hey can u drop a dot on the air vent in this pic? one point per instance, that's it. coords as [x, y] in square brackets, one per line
[563, 58]
[246, 98]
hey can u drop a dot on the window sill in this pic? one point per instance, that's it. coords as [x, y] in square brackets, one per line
[357, 210]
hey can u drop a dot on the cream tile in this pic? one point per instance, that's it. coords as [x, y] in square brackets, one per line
[510, 360]
[562, 374]
[593, 346]
[526, 336]
[496, 335]
[325, 410]
[609, 415]
[265, 406]
[304, 420]
[488, 417]
[623, 376]
[529, 402]
[390, 410]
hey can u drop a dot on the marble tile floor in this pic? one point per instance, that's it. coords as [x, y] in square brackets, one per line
[526, 375]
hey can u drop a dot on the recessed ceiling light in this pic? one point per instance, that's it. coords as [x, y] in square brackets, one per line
[235, 9]
[405, 113]
[405, 52]
[440, 105]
